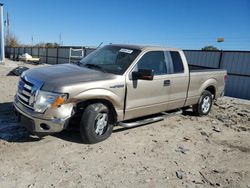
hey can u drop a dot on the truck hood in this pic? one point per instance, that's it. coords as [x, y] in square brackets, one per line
[56, 76]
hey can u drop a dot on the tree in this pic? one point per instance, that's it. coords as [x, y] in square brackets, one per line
[11, 40]
[208, 48]
[47, 45]
[51, 45]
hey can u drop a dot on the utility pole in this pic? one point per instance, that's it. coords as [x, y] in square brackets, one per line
[32, 40]
[220, 40]
[60, 39]
[7, 36]
[2, 53]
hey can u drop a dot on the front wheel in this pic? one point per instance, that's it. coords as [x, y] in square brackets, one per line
[204, 104]
[96, 123]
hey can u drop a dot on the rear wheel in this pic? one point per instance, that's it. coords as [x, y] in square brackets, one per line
[96, 123]
[204, 104]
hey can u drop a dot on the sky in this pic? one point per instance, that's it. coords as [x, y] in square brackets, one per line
[186, 24]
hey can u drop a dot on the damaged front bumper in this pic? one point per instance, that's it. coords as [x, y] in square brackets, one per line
[52, 121]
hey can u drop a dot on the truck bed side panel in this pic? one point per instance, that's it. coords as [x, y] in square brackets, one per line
[202, 79]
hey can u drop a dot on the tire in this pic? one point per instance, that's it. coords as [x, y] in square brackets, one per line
[204, 104]
[96, 123]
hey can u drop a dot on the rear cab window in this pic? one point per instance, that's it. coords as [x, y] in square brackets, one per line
[174, 62]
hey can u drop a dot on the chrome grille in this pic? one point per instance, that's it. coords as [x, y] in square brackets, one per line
[26, 91]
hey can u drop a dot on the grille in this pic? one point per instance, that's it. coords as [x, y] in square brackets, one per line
[27, 88]
[26, 91]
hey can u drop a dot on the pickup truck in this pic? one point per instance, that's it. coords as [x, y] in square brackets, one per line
[114, 85]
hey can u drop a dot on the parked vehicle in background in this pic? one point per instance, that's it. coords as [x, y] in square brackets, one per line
[114, 85]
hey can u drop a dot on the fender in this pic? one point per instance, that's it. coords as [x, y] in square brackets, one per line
[91, 94]
[210, 82]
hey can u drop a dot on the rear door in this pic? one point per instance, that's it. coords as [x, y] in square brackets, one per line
[179, 79]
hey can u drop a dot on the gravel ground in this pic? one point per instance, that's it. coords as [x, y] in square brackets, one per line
[181, 151]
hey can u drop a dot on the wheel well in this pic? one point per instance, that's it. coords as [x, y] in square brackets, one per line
[82, 105]
[211, 89]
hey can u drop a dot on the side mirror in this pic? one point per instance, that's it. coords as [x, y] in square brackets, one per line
[143, 74]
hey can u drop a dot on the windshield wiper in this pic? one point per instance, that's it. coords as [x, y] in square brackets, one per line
[95, 67]
[76, 62]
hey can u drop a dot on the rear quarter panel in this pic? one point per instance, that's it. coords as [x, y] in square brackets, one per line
[199, 81]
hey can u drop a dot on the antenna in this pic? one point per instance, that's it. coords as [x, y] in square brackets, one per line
[99, 45]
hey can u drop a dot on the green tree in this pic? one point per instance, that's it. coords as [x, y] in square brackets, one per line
[51, 45]
[47, 45]
[207, 48]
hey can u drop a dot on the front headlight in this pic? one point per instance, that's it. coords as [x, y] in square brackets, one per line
[44, 100]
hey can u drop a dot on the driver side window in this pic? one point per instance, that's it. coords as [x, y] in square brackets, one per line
[155, 61]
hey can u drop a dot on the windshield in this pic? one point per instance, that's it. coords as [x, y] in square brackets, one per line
[111, 59]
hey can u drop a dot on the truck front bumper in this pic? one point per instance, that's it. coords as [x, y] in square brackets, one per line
[35, 123]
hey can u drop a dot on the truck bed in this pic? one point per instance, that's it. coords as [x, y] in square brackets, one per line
[196, 68]
[201, 77]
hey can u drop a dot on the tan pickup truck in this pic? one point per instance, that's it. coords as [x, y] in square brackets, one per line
[114, 85]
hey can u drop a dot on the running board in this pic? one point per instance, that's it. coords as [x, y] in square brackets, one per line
[136, 123]
[173, 113]
[141, 122]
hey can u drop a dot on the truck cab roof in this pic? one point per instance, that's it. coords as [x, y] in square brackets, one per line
[146, 47]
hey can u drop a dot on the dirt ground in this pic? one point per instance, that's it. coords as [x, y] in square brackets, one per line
[181, 151]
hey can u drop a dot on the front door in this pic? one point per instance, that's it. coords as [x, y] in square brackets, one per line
[146, 97]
